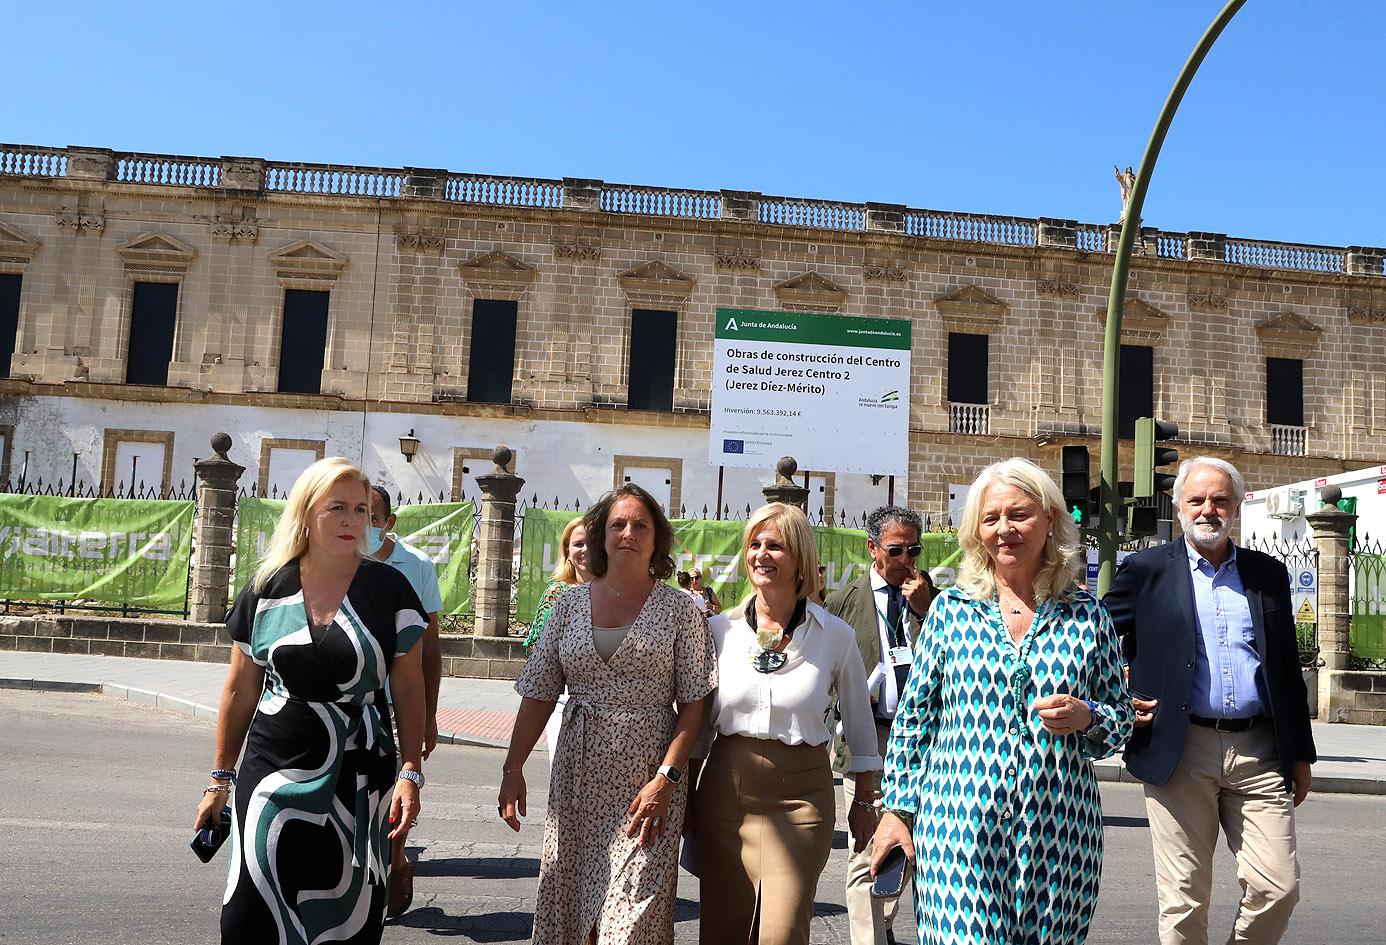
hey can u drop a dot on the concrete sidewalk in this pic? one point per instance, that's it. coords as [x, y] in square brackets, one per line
[1352, 758]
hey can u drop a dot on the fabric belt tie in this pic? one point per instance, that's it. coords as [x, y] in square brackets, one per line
[573, 740]
[1225, 725]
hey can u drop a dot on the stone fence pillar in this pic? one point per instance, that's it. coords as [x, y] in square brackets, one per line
[495, 562]
[1332, 527]
[784, 488]
[212, 534]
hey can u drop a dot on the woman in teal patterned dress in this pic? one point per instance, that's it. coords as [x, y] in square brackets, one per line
[318, 632]
[1016, 687]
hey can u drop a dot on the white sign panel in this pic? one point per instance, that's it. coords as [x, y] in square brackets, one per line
[830, 390]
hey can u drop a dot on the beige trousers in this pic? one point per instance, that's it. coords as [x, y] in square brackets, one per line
[867, 917]
[1229, 780]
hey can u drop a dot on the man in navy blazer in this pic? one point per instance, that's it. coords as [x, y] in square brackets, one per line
[1223, 736]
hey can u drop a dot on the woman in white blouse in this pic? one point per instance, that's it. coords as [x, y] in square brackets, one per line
[763, 811]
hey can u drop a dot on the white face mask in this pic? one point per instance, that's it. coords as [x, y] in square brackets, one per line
[375, 539]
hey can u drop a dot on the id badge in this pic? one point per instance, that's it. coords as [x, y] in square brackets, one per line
[900, 656]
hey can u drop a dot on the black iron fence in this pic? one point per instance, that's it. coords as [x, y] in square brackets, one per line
[1367, 592]
[1298, 555]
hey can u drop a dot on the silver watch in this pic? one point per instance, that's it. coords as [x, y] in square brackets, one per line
[670, 773]
[415, 776]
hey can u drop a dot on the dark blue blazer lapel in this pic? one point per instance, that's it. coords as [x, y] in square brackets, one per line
[1183, 587]
[1251, 583]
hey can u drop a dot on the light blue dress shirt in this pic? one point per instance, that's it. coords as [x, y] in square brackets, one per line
[419, 569]
[1227, 678]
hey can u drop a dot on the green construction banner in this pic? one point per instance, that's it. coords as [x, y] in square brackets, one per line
[442, 530]
[111, 551]
[715, 549]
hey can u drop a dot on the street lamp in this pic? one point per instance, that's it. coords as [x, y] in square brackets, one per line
[408, 446]
[1121, 265]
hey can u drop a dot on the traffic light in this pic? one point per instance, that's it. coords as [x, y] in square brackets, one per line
[1141, 521]
[1074, 463]
[1150, 457]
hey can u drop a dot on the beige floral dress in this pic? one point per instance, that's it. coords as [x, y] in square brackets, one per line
[616, 728]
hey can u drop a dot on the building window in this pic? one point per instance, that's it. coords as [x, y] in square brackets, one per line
[491, 367]
[303, 341]
[652, 352]
[1137, 389]
[1285, 392]
[967, 368]
[153, 313]
[9, 318]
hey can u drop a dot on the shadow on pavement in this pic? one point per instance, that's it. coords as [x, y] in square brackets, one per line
[1125, 822]
[488, 927]
[482, 867]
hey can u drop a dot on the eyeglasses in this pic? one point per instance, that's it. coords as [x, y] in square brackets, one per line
[895, 550]
[768, 661]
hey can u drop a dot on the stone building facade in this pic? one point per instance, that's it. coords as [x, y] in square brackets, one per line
[405, 256]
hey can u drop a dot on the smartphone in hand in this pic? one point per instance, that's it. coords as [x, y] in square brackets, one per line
[210, 838]
[890, 877]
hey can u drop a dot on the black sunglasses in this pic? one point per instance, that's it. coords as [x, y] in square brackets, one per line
[894, 550]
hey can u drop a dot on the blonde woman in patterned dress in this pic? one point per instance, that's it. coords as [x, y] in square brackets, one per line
[1015, 689]
[628, 647]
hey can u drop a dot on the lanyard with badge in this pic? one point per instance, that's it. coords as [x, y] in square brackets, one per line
[897, 655]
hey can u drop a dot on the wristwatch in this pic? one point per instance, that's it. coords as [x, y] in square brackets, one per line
[671, 774]
[415, 776]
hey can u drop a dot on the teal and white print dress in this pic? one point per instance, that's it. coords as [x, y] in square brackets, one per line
[310, 852]
[1007, 817]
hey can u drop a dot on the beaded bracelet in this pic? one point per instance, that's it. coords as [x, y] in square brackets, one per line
[224, 774]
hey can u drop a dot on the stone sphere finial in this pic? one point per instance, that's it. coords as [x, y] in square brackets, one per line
[1329, 495]
[503, 457]
[786, 467]
[221, 442]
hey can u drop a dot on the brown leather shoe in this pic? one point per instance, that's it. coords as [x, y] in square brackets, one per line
[401, 890]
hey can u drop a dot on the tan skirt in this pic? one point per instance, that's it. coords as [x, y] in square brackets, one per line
[764, 815]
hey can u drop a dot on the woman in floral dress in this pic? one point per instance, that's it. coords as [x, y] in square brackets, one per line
[629, 648]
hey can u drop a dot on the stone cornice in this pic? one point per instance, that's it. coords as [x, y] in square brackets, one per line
[497, 275]
[971, 309]
[307, 264]
[1288, 335]
[656, 282]
[1141, 322]
[157, 253]
[810, 292]
[17, 249]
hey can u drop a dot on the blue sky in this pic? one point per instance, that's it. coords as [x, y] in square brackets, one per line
[1000, 107]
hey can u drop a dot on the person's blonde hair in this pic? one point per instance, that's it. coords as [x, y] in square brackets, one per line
[564, 570]
[797, 535]
[1063, 559]
[290, 539]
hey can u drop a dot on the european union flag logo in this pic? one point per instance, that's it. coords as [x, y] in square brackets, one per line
[734, 446]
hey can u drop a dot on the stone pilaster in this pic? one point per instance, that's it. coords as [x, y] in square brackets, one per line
[1331, 530]
[1366, 261]
[1053, 232]
[784, 488]
[885, 218]
[1211, 247]
[580, 193]
[496, 546]
[213, 536]
[742, 206]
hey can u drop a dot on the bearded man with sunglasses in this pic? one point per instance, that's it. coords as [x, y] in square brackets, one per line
[884, 607]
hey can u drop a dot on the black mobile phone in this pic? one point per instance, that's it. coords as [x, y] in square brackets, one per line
[209, 839]
[890, 877]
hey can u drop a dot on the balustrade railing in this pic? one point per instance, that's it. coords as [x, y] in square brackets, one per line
[972, 227]
[503, 191]
[320, 179]
[969, 419]
[823, 214]
[1090, 239]
[1269, 255]
[168, 169]
[1171, 246]
[1287, 441]
[22, 160]
[661, 201]
[18, 160]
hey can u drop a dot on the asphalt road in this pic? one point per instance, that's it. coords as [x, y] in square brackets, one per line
[97, 797]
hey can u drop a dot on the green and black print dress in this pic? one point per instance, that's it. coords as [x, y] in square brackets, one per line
[310, 851]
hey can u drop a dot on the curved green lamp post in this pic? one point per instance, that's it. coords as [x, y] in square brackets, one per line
[1130, 225]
